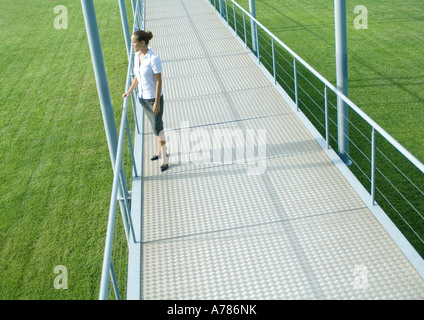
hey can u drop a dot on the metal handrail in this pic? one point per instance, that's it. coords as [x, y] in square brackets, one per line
[114, 198]
[330, 86]
[107, 268]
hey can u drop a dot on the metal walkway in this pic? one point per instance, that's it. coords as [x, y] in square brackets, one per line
[212, 230]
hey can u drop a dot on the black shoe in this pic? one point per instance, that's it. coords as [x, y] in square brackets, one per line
[164, 167]
[155, 157]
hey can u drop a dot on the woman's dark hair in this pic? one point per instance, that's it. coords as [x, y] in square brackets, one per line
[145, 36]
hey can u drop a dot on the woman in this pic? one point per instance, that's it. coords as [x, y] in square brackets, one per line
[148, 79]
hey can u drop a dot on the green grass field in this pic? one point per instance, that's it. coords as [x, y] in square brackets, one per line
[56, 173]
[385, 74]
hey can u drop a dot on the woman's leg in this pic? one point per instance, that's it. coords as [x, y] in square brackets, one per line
[162, 152]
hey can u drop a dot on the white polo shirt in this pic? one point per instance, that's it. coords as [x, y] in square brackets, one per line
[145, 73]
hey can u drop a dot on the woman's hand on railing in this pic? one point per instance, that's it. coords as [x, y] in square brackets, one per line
[126, 94]
[134, 84]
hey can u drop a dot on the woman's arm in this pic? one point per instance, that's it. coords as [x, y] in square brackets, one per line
[134, 85]
[156, 105]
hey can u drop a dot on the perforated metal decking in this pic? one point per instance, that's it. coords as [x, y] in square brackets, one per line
[214, 231]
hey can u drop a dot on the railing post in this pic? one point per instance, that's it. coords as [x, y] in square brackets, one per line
[295, 84]
[342, 78]
[254, 29]
[235, 18]
[131, 146]
[133, 5]
[226, 12]
[138, 15]
[100, 75]
[257, 46]
[133, 103]
[244, 28]
[221, 8]
[327, 133]
[125, 27]
[273, 61]
[115, 285]
[373, 148]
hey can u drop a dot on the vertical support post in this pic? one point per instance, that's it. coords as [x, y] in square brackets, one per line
[296, 96]
[274, 71]
[221, 8]
[114, 282]
[252, 10]
[100, 75]
[125, 27]
[133, 6]
[342, 78]
[131, 146]
[244, 28]
[235, 18]
[143, 14]
[226, 12]
[327, 118]
[373, 147]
